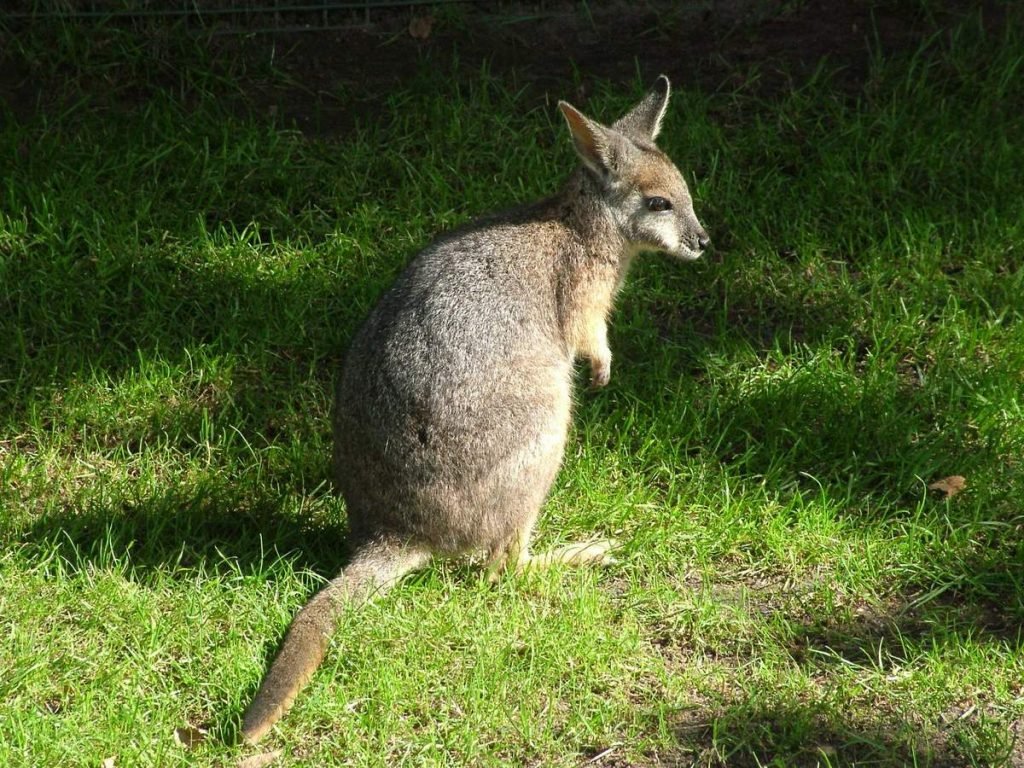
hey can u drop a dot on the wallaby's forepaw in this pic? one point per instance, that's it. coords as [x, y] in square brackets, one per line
[600, 370]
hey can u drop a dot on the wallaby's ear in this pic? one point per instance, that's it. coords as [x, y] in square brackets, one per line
[644, 120]
[593, 141]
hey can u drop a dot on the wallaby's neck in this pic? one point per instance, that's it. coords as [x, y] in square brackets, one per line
[588, 215]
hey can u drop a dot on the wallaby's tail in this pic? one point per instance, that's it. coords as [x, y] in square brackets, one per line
[375, 567]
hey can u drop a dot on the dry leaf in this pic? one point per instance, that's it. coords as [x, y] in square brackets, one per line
[259, 761]
[189, 737]
[108, 762]
[601, 754]
[421, 26]
[950, 486]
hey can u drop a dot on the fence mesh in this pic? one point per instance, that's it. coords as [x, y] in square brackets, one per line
[240, 14]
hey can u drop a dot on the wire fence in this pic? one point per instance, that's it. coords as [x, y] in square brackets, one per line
[227, 15]
[244, 16]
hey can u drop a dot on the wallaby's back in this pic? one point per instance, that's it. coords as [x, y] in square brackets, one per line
[457, 377]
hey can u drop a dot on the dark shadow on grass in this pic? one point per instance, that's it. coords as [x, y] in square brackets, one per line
[747, 725]
[750, 722]
[215, 528]
[871, 438]
[815, 735]
[884, 639]
[885, 636]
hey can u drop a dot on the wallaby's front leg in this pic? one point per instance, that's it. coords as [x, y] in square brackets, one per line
[585, 312]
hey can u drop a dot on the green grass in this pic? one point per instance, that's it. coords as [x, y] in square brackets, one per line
[178, 282]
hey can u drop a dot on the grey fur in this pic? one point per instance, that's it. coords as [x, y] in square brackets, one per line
[453, 406]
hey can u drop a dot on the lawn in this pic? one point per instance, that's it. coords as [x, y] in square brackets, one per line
[178, 282]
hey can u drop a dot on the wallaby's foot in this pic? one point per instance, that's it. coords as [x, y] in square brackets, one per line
[601, 369]
[579, 554]
[583, 553]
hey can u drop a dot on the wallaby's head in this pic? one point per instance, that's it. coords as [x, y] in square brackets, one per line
[640, 185]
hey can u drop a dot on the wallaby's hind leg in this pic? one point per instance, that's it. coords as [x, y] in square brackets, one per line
[512, 553]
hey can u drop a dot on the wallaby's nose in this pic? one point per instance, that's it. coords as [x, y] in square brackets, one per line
[703, 241]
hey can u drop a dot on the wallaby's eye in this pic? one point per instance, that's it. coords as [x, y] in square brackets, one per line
[658, 204]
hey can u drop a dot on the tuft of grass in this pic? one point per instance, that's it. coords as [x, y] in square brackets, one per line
[178, 282]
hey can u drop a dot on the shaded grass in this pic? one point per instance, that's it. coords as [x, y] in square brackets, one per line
[177, 284]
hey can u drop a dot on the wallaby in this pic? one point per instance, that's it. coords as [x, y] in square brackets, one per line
[453, 405]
